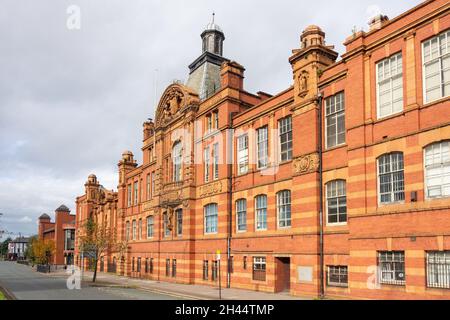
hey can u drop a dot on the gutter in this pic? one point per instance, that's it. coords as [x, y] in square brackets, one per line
[321, 238]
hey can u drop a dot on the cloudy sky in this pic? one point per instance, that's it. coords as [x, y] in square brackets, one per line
[71, 100]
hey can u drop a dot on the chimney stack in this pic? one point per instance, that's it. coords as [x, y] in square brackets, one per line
[378, 22]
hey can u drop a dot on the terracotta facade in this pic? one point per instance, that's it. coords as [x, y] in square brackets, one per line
[327, 188]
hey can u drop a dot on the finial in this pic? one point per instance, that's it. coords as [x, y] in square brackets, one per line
[213, 17]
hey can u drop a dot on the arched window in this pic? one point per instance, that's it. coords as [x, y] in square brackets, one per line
[261, 212]
[336, 202]
[437, 170]
[284, 208]
[177, 160]
[391, 180]
[211, 218]
[241, 215]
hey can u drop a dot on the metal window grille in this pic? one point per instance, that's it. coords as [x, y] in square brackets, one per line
[167, 267]
[205, 269]
[391, 178]
[391, 267]
[174, 268]
[146, 265]
[214, 270]
[259, 268]
[438, 269]
[337, 276]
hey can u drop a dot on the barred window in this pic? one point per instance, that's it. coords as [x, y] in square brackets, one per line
[436, 67]
[174, 268]
[438, 269]
[390, 86]
[138, 264]
[205, 269]
[337, 276]
[150, 224]
[179, 214]
[211, 217]
[391, 178]
[261, 212]
[241, 214]
[167, 267]
[243, 154]
[177, 157]
[151, 265]
[391, 265]
[335, 120]
[259, 268]
[285, 127]
[437, 170]
[216, 161]
[336, 202]
[262, 147]
[146, 265]
[214, 270]
[244, 263]
[132, 264]
[206, 164]
[284, 208]
[134, 230]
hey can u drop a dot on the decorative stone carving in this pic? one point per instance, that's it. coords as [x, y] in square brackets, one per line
[306, 164]
[211, 189]
[302, 82]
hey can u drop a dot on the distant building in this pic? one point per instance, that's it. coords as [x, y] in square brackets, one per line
[17, 248]
[62, 231]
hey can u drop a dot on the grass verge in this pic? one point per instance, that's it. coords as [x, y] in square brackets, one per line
[2, 296]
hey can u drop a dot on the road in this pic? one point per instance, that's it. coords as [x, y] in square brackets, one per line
[26, 284]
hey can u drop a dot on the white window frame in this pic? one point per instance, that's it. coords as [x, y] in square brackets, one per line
[337, 196]
[439, 59]
[177, 158]
[135, 192]
[336, 114]
[215, 159]
[391, 262]
[206, 159]
[281, 205]
[380, 203]
[393, 59]
[240, 211]
[133, 229]
[242, 146]
[206, 214]
[443, 163]
[285, 128]
[438, 269]
[262, 146]
[150, 227]
[257, 211]
[340, 274]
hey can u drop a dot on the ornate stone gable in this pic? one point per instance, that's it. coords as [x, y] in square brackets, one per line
[306, 164]
[173, 101]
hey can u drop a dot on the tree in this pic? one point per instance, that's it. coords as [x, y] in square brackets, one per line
[4, 247]
[29, 255]
[96, 240]
[41, 250]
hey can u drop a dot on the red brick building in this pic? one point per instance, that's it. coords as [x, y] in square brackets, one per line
[337, 186]
[62, 232]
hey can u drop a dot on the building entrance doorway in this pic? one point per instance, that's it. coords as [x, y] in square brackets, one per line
[282, 274]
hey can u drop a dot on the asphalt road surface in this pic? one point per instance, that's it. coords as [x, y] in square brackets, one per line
[26, 284]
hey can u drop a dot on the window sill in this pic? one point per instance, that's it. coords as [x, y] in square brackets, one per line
[381, 205]
[342, 145]
[337, 224]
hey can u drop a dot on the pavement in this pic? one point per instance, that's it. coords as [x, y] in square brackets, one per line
[24, 283]
[183, 291]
